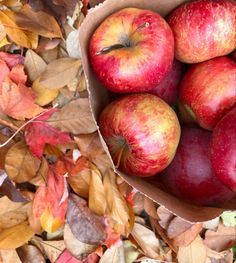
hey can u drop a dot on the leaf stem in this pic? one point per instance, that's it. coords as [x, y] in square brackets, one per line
[8, 124]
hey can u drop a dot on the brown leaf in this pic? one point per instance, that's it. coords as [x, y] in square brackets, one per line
[86, 226]
[9, 256]
[60, 72]
[147, 241]
[34, 65]
[20, 165]
[196, 252]
[177, 226]
[38, 22]
[15, 236]
[117, 208]
[165, 216]
[188, 236]
[219, 257]
[41, 175]
[97, 199]
[30, 254]
[3, 150]
[114, 255]
[77, 248]
[75, 117]
[90, 146]
[221, 239]
[52, 249]
[20, 37]
[150, 207]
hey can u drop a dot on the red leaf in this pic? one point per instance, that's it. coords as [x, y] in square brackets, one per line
[39, 133]
[113, 238]
[11, 59]
[4, 72]
[17, 101]
[66, 257]
[17, 74]
[52, 197]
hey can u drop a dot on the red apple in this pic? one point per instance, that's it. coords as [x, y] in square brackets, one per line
[208, 90]
[132, 50]
[142, 133]
[203, 29]
[190, 175]
[168, 88]
[223, 150]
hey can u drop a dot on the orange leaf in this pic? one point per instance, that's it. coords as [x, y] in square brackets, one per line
[17, 101]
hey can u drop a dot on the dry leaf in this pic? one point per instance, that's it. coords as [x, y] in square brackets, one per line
[17, 101]
[52, 249]
[72, 44]
[150, 207]
[16, 236]
[77, 248]
[20, 165]
[85, 225]
[34, 65]
[90, 146]
[20, 37]
[131, 252]
[38, 22]
[41, 175]
[177, 226]
[44, 95]
[60, 72]
[117, 208]
[97, 199]
[114, 255]
[4, 41]
[9, 256]
[147, 241]
[30, 254]
[222, 239]
[3, 150]
[165, 216]
[74, 117]
[196, 252]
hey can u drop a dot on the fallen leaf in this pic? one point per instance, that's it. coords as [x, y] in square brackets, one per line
[40, 133]
[9, 256]
[52, 249]
[4, 41]
[74, 117]
[72, 44]
[90, 146]
[117, 208]
[196, 252]
[38, 22]
[15, 236]
[20, 165]
[41, 175]
[30, 254]
[4, 73]
[165, 216]
[85, 225]
[177, 226]
[97, 199]
[219, 257]
[150, 207]
[47, 44]
[221, 239]
[50, 201]
[3, 150]
[60, 72]
[43, 95]
[77, 248]
[17, 101]
[20, 37]
[131, 252]
[229, 218]
[114, 255]
[34, 65]
[17, 75]
[147, 241]
[12, 59]
[67, 257]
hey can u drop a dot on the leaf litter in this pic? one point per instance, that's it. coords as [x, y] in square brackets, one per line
[60, 199]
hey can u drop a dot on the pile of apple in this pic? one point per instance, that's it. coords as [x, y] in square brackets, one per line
[132, 51]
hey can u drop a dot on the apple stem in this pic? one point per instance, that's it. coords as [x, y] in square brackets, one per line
[146, 24]
[106, 50]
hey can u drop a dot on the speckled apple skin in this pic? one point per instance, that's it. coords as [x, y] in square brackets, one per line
[223, 150]
[148, 126]
[204, 29]
[137, 68]
[190, 175]
[208, 89]
[168, 88]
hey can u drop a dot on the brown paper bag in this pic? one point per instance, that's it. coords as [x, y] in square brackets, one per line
[99, 98]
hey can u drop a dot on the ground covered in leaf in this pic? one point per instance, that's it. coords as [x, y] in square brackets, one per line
[60, 199]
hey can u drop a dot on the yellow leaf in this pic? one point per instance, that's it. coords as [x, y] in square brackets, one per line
[117, 208]
[4, 42]
[97, 199]
[48, 222]
[16, 236]
[44, 95]
[20, 37]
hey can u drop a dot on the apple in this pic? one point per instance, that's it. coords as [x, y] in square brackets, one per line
[223, 149]
[190, 175]
[132, 50]
[208, 90]
[203, 29]
[168, 88]
[142, 133]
